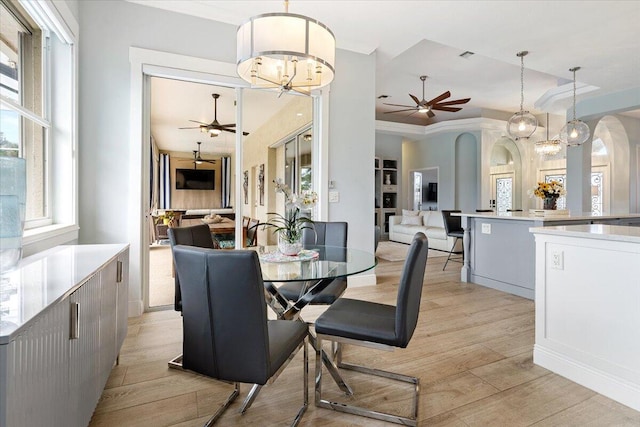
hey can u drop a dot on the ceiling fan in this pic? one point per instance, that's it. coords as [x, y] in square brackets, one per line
[427, 107]
[214, 128]
[197, 158]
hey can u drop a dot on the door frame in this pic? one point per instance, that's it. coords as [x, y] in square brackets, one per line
[146, 63]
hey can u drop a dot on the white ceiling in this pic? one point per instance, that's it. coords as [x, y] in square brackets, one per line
[412, 38]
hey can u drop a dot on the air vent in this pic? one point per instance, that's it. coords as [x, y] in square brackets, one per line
[383, 96]
[466, 54]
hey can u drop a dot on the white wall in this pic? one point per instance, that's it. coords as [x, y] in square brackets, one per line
[352, 145]
[108, 30]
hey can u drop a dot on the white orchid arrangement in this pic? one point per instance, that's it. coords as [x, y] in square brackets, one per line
[292, 223]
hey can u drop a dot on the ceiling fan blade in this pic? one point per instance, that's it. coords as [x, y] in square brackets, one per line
[400, 111]
[439, 98]
[415, 99]
[450, 109]
[230, 125]
[202, 123]
[195, 127]
[399, 105]
[455, 102]
[430, 114]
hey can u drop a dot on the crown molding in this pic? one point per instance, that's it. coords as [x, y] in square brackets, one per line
[461, 125]
[559, 99]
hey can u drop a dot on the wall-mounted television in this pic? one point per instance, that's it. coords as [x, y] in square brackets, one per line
[195, 179]
[432, 192]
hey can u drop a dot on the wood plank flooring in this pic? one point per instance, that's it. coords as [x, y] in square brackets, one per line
[472, 351]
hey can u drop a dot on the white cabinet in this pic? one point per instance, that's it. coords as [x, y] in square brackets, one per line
[64, 317]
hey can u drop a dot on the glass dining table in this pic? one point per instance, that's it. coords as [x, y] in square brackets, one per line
[316, 266]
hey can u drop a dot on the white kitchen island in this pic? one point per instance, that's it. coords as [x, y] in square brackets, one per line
[587, 297]
[499, 249]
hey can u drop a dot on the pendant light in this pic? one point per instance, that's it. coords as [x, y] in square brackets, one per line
[575, 132]
[548, 147]
[286, 52]
[522, 124]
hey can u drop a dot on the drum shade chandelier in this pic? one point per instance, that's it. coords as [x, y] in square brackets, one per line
[522, 124]
[548, 147]
[285, 51]
[575, 132]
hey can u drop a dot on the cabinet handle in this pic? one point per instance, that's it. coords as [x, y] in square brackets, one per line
[119, 272]
[74, 329]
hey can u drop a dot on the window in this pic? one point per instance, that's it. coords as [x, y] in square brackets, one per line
[37, 73]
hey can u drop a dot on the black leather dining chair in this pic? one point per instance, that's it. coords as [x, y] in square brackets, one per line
[328, 234]
[196, 235]
[453, 228]
[226, 334]
[374, 325]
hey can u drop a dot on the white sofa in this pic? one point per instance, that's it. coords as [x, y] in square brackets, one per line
[432, 225]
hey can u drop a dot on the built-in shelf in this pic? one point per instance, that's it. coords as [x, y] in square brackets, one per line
[386, 191]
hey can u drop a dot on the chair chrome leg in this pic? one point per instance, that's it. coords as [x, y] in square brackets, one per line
[355, 410]
[305, 387]
[225, 405]
[176, 362]
[331, 367]
[248, 401]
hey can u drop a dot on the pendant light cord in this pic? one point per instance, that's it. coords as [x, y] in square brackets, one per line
[574, 94]
[522, 83]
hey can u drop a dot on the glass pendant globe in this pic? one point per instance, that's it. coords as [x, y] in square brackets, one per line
[575, 132]
[522, 125]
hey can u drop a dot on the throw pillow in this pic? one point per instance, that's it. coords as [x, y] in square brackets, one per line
[406, 212]
[411, 220]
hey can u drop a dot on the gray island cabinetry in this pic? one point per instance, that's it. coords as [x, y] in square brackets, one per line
[63, 319]
[499, 249]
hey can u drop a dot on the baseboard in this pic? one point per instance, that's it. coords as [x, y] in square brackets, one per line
[602, 382]
[136, 308]
[359, 280]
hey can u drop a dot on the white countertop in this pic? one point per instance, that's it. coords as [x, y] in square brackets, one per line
[526, 216]
[618, 233]
[44, 279]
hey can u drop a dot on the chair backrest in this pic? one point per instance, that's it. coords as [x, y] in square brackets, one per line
[225, 333]
[410, 289]
[195, 235]
[452, 224]
[252, 232]
[245, 221]
[326, 233]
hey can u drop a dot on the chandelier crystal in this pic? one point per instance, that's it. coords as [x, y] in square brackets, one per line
[548, 147]
[285, 51]
[522, 124]
[575, 132]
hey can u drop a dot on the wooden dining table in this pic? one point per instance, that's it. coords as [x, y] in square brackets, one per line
[227, 226]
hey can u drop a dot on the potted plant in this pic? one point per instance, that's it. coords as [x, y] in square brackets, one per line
[166, 218]
[290, 225]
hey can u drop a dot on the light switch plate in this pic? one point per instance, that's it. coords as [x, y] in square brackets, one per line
[486, 228]
[334, 197]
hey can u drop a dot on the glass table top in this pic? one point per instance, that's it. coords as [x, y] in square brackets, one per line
[331, 261]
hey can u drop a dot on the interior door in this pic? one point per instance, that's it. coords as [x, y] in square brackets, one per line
[502, 191]
[417, 191]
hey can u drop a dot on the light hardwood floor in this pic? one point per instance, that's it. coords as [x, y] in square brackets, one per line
[472, 351]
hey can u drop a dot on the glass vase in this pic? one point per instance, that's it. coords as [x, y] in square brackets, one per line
[13, 196]
[288, 245]
[550, 203]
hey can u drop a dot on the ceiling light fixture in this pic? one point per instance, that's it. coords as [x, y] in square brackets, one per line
[575, 132]
[522, 124]
[548, 147]
[285, 51]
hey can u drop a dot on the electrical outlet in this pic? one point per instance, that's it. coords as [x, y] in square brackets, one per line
[486, 228]
[557, 260]
[334, 197]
